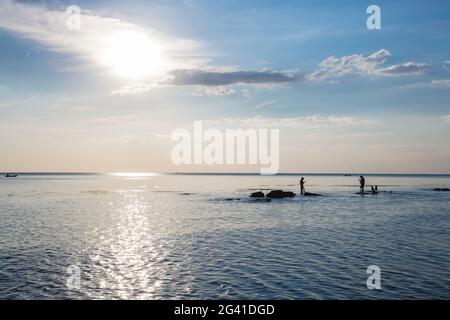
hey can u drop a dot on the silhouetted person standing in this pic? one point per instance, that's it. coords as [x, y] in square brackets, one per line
[302, 185]
[362, 184]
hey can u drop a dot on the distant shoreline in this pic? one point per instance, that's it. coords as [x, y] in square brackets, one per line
[321, 174]
[434, 175]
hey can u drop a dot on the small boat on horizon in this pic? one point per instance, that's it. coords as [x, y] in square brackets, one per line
[11, 175]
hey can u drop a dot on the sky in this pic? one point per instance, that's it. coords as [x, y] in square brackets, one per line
[105, 94]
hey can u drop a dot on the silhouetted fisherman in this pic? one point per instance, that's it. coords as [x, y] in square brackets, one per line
[302, 185]
[362, 184]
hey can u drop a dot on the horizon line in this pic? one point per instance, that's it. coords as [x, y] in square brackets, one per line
[219, 173]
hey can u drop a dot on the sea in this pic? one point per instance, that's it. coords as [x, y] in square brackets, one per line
[200, 236]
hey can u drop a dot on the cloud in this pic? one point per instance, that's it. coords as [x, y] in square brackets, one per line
[260, 121]
[446, 65]
[446, 118]
[122, 119]
[334, 67]
[223, 78]
[133, 89]
[212, 82]
[142, 88]
[213, 91]
[265, 104]
[441, 83]
[412, 68]
[49, 27]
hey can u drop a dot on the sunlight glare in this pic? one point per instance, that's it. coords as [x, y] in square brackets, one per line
[132, 54]
[134, 174]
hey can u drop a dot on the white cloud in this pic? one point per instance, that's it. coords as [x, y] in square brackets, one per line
[133, 89]
[48, 27]
[122, 119]
[265, 104]
[411, 68]
[214, 91]
[260, 121]
[334, 67]
[446, 118]
[446, 65]
[441, 83]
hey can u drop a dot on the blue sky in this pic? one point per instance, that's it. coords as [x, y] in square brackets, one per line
[382, 96]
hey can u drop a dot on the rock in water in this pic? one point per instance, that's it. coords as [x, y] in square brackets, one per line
[258, 194]
[280, 194]
[310, 194]
[441, 189]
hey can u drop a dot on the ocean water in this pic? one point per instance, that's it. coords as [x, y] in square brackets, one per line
[201, 237]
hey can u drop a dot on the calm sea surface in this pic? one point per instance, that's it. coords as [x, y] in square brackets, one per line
[201, 237]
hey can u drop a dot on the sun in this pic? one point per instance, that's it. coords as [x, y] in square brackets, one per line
[132, 54]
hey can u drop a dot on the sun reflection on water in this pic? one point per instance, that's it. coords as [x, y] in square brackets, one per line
[126, 261]
[134, 175]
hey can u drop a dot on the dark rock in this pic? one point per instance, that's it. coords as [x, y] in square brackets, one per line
[258, 194]
[441, 189]
[263, 200]
[280, 194]
[310, 194]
